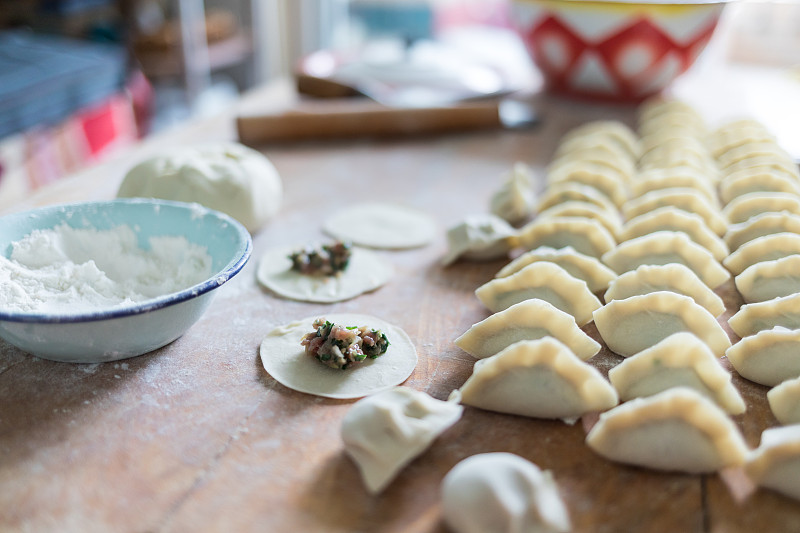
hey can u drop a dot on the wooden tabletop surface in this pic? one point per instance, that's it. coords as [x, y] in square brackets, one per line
[196, 436]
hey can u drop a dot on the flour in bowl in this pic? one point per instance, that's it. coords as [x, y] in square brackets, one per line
[68, 270]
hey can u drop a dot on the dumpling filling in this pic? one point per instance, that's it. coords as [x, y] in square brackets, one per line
[324, 260]
[340, 346]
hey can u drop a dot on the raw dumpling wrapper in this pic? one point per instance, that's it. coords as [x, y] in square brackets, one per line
[286, 361]
[585, 235]
[514, 201]
[775, 464]
[784, 401]
[631, 325]
[677, 429]
[664, 247]
[365, 272]
[760, 225]
[502, 493]
[480, 238]
[680, 360]
[672, 277]
[384, 432]
[764, 248]
[527, 320]
[379, 225]
[752, 318]
[769, 357]
[545, 281]
[540, 379]
[766, 280]
[596, 275]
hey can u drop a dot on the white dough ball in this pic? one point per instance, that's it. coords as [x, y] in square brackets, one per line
[228, 177]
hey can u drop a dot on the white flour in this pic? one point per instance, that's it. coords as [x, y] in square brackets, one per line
[67, 270]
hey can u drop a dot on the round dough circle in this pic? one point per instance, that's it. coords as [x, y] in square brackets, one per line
[365, 272]
[380, 225]
[286, 361]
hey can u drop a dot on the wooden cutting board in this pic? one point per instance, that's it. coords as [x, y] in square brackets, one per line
[197, 437]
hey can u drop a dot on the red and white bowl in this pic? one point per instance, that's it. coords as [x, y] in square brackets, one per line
[615, 49]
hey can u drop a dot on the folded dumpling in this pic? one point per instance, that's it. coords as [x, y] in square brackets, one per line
[567, 191]
[514, 200]
[679, 360]
[784, 401]
[585, 235]
[614, 131]
[480, 238]
[589, 269]
[528, 320]
[545, 281]
[502, 493]
[750, 150]
[766, 280]
[382, 433]
[752, 318]
[775, 464]
[663, 247]
[760, 225]
[764, 181]
[575, 208]
[768, 357]
[540, 379]
[678, 429]
[666, 178]
[604, 179]
[746, 206]
[671, 218]
[683, 198]
[631, 325]
[599, 154]
[764, 248]
[671, 277]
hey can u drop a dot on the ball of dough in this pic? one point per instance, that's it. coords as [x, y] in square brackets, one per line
[228, 177]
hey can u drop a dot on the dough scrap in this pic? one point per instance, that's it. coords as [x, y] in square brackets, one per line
[769, 357]
[384, 432]
[784, 401]
[766, 248]
[766, 280]
[480, 238]
[286, 361]
[752, 318]
[228, 177]
[540, 379]
[502, 493]
[528, 320]
[680, 360]
[775, 464]
[585, 235]
[678, 430]
[381, 225]
[545, 281]
[584, 267]
[634, 324]
[672, 277]
[366, 272]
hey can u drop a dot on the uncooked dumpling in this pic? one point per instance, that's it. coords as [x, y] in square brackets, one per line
[502, 493]
[604, 179]
[631, 325]
[384, 432]
[480, 238]
[671, 277]
[540, 379]
[683, 198]
[585, 235]
[775, 464]
[752, 318]
[764, 248]
[784, 401]
[596, 275]
[381, 225]
[286, 360]
[614, 131]
[765, 181]
[598, 154]
[663, 247]
[527, 320]
[766, 280]
[545, 281]
[666, 178]
[670, 218]
[575, 208]
[366, 271]
[760, 225]
[679, 360]
[768, 357]
[228, 177]
[514, 200]
[677, 429]
[567, 191]
[746, 206]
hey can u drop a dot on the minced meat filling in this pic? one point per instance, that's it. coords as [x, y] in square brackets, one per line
[341, 346]
[324, 260]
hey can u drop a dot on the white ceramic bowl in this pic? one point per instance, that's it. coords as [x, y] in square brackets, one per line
[131, 330]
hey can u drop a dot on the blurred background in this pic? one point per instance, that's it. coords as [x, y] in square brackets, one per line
[80, 79]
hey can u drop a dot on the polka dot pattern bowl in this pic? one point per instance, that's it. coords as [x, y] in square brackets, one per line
[615, 50]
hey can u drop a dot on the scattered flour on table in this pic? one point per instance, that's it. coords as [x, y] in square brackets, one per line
[68, 270]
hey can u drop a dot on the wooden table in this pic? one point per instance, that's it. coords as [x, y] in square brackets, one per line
[197, 436]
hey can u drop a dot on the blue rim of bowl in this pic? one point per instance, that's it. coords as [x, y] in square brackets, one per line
[160, 302]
